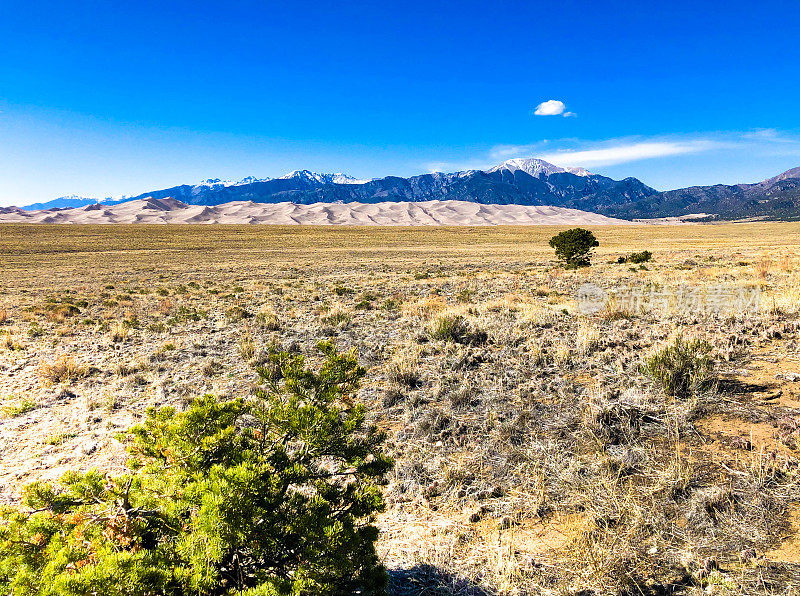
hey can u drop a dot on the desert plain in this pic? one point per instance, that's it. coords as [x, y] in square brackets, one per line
[535, 450]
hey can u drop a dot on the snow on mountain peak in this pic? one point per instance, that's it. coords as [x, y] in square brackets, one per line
[217, 182]
[340, 178]
[214, 182]
[536, 167]
[250, 180]
[336, 178]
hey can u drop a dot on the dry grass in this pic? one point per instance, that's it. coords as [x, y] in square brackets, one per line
[165, 306]
[118, 332]
[64, 369]
[587, 338]
[247, 347]
[784, 299]
[268, 319]
[404, 366]
[536, 313]
[532, 455]
[423, 308]
[338, 316]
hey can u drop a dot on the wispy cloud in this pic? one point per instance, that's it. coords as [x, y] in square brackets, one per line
[552, 107]
[612, 152]
[624, 153]
[458, 166]
[770, 135]
[575, 152]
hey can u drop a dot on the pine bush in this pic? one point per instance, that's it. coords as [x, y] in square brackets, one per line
[574, 247]
[271, 495]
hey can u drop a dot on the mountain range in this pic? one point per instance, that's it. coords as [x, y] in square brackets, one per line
[529, 182]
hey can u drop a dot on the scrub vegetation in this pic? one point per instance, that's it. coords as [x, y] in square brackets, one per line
[269, 410]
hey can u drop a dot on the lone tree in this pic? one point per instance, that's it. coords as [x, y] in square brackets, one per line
[269, 496]
[574, 247]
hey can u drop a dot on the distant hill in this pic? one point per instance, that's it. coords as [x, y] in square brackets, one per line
[67, 202]
[777, 198]
[529, 182]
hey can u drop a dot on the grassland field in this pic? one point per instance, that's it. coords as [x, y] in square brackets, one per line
[534, 452]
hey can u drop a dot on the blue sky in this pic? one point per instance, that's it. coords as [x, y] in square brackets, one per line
[103, 99]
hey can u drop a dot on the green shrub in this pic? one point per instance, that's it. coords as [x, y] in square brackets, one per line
[391, 304]
[680, 367]
[18, 408]
[640, 257]
[637, 257]
[465, 295]
[574, 247]
[185, 314]
[35, 330]
[274, 495]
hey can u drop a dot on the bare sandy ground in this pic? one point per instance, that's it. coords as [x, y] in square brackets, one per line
[433, 213]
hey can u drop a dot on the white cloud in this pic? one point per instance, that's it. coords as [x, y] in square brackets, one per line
[552, 107]
[626, 152]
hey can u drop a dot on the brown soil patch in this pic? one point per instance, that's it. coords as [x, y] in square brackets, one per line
[538, 538]
[789, 550]
[732, 434]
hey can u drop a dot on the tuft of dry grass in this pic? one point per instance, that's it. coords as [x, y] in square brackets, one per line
[247, 347]
[423, 308]
[404, 365]
[58, 313]
[268, 319]
[536, 313]
[783, 300]
[762, 267]
[118, 332]
[337, 316]
[562, 355]
[165, 306]
[784, 263]
[587, 338]
[64, 369]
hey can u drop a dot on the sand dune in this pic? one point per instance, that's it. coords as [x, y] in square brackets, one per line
[429, 213]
